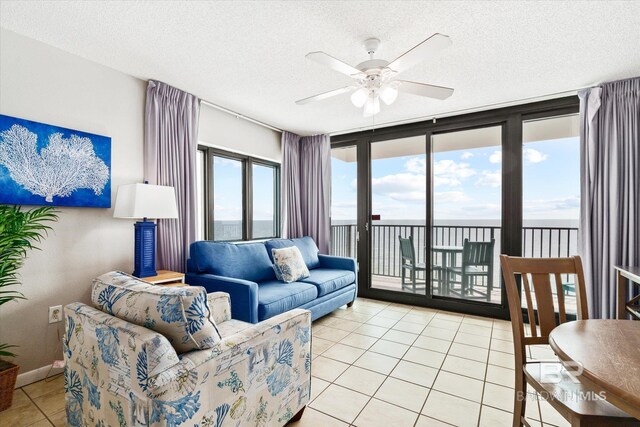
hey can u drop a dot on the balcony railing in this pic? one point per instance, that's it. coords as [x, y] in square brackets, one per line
[385, 257]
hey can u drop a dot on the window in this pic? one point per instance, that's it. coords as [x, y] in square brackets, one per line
[238, 196]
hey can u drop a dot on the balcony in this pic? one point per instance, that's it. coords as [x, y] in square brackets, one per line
[385, 257]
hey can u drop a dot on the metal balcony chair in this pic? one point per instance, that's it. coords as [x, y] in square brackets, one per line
[408, 263]
[477, 262]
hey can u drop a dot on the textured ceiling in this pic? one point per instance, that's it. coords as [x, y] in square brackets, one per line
[249, 56]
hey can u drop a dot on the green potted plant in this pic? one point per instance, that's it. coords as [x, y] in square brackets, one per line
[20, 230]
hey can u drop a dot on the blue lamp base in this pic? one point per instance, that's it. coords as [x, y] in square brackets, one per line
[145, 249]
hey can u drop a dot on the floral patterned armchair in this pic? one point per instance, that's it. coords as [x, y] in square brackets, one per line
[119, 373]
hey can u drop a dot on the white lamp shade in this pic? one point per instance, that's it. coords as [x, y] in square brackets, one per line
[145, 201]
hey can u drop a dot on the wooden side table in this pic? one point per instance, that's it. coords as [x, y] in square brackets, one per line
[627, 275]
[166, 278]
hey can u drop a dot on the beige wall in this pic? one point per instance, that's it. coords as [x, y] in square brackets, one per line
[44, 84]
[222, 130]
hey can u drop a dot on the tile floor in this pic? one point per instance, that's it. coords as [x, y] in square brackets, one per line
[380, 364]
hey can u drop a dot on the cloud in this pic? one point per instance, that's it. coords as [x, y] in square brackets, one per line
[466, 155]
[451, 173]
[533, 156]
[555, 204]
[450, 197]
[401, 186]
[496, 157]
[489, 179]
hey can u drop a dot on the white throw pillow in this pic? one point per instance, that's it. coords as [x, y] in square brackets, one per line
[289, 264]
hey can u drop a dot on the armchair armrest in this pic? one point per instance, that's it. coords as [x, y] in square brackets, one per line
[338, 262]
[220, 306]
[243, 293]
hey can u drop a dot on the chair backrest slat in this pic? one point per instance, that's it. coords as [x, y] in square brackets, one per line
[544, 303]
[407, 252]
[530, 311]
[560, 292]
[477, 253]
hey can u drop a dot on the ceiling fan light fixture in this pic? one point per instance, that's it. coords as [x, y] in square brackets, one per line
[372, 106]
[359, 97]
[388, 94]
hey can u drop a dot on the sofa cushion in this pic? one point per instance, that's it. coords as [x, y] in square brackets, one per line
[289, 265]
[328, 280]
[307, 247]
[247, 261]
[181, 314]
[275, 297]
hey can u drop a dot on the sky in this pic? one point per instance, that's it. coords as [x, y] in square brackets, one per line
[467, 184]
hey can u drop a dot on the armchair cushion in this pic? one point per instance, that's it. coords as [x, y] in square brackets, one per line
[306, 245]
[274, 297]
[247, 261]
[328, 280]
[181, 314]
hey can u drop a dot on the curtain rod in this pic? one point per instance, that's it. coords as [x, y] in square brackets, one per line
[456, 112]
[239, 116]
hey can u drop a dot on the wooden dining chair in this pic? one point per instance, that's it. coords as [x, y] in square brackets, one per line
[539, 277]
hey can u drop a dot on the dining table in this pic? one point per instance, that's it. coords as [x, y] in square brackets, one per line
[608, 354]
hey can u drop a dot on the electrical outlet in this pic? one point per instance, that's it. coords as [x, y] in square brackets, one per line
[55, 314]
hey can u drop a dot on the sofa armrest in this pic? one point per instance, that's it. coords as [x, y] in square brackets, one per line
[243, 293]
[338, 262]
[220, 306]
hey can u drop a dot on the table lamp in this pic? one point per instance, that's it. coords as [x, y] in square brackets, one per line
[143, 201]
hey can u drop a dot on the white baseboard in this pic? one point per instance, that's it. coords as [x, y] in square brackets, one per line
[35, 375]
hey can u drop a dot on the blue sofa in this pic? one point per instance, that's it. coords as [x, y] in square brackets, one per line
[245, 272]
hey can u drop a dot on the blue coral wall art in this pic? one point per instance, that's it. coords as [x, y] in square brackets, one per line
[42, 164]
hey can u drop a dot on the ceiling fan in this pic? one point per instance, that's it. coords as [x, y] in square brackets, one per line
[375, 79]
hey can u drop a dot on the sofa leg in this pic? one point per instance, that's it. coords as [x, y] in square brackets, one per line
[297, 416]
[350, 304]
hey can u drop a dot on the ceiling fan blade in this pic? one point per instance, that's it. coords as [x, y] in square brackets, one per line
[331, 62]
[425, 50]
[422, 89]
[325, 95]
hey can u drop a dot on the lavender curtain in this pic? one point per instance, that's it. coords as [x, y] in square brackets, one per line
[610, 193]
[306, 188]
[170, 148]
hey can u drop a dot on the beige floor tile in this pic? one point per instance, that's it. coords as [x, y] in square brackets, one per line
[434, 344]
[313, 418]
[532, 408]
[430, 422]
[498, 396]
[327, 369]
[382, 414]
[343, 324]
[402, 393]
[503, 346]
[475, 340]
[367, 309]
[551, 416]
[503, 325]
[359, 341]
[451, 409]
[317, 386]
[413, 328]
[361, 380]
[389, 348]
[400, 337]
[466, 367]
[444, 324]
[357, 317]
[371, 330]
[400, 308]
[458, 385]
[502, 335]
[491, 417]
[542, 352]
[501, 376]
[418, 317]
[42, 423]
[415, 373]
[480, 321]
[424, 357]
[377, 362]
[499, 358]
[320, 345]
[340, 402]
[443, 334]
[51, 403]
[447, 315]
[469, 352]
[343, 353]
[22, 411]
[44, 387]
[385, 322]
[390, 314]
[475, 329]
[331, 334]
